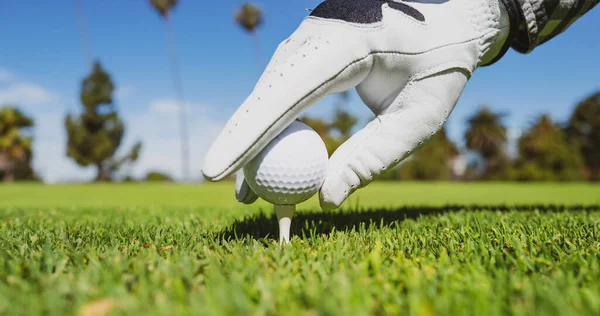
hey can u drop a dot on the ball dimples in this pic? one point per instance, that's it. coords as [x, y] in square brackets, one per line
[291, 168]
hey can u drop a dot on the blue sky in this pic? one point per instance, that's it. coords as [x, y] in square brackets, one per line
[42, 62]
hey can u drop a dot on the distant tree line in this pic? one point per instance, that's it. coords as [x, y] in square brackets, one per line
[546, 151]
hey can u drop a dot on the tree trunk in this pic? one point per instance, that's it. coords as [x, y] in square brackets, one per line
[83, 34]
[257, 51]
[178, 86]
[9, 175]
[100, 174]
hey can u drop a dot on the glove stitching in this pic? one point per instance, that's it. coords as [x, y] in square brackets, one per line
[482, 40]
[359, 143]
[368, 27]
[365, 27]
[442, 67]
[431, 71]
[356, 61]
[401, 101]
[373, 156]
[343, 163]
[362, 160]
[382, 7]
[514, 18]
[376, 26]
[417, 23]
[502, 51]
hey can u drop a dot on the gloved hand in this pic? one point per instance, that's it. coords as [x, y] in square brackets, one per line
[409, 62]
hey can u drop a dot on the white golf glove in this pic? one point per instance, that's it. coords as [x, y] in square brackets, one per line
[409, 62]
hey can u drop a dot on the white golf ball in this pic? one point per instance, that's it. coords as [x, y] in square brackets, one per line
[291, 168]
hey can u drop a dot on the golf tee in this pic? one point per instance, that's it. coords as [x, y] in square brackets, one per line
[284, 214]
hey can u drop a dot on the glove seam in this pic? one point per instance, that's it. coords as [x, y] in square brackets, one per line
[381, 24]
[343, 163]
[354, 62]
[421, 25]
[374, 27]
[512, 9]
[400, 99]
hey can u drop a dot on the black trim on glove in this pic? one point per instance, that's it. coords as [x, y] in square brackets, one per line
[514, 18]
[362, 11]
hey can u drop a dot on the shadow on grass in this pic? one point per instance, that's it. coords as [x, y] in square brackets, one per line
[319, 223]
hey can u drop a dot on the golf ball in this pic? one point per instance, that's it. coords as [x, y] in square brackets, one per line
[291, 168]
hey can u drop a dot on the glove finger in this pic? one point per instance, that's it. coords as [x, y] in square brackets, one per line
[243, 192]
[318, 67]
[416, 114]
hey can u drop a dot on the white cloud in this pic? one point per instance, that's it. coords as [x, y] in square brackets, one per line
[124, 91]
[50, 160]
[165, 106]
[5, 75]
[459, 165]
[171, 106]
[28, 95]
[158, 130]
[514, 133]
[156, 127]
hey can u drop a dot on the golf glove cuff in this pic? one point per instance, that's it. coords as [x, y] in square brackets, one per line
[541, 20]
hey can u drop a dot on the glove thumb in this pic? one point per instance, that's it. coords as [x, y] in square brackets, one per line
[415, 115]
[243, 192]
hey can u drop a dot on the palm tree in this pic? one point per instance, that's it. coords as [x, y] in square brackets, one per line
[343, 122]
[543, 134]
[15, 144]
[583, 129]
[486, 135]
[546, 154]
[250, 17]
[164, 8]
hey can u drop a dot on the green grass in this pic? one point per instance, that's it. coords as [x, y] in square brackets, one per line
[411, 248]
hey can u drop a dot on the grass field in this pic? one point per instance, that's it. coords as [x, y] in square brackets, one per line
[411, 249]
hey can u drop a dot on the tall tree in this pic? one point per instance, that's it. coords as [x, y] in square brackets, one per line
[164, 8]
[343, 123]
[250, 17]
[15, 142]
[583, 129]
[486, 135]
[545, 154]
[335, 132]
[95, 135]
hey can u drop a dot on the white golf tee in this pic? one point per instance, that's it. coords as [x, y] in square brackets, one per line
[284, 217]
